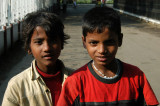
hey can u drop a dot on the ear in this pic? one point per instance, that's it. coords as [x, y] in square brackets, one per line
[84, 42]
[29, 52]
[120, 39]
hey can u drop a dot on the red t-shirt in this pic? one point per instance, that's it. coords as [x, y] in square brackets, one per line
[85, 87]
[54, 83]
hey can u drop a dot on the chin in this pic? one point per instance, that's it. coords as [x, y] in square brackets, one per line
[107, 62]
[50, 63]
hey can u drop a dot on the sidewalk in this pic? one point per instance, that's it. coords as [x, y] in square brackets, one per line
[140, 47]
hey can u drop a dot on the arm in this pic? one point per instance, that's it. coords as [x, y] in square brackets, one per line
[69, 92]
[148, 93]
[10, 96]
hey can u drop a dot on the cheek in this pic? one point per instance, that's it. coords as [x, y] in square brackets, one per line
[113, 49]
[36, 48]
[58, 45]
[91, 51]
[35, 51]
[57, 49]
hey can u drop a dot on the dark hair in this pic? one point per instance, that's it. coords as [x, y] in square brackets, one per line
[99, 18]
[50, 22]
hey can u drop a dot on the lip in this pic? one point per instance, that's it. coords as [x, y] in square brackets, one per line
[48, 57]
[102, 58]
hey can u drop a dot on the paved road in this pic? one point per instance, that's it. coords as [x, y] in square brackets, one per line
[140, 47]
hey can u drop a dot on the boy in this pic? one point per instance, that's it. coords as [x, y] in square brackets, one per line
[105, 80]
[40, 84]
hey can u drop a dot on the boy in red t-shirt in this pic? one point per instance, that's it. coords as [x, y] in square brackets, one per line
[40, 84]
[105, 80]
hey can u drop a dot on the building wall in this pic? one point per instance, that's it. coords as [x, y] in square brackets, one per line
[147, 8]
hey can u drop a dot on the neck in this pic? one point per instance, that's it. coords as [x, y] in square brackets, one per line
[49, 69]
[109, 70]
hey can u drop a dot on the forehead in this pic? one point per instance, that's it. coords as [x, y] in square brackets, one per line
[38, 31]
[105, 35]
[41, 32]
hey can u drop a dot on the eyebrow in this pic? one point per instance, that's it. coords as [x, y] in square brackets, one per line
[93, 40]
[38, 38]
[111, 39]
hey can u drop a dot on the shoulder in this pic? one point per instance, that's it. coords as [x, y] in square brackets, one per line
[131, 69]
[69, 71]
[64, 68]
[18, 79]
[15, 88]
[82, 70]
[76, 78]
[80, 73]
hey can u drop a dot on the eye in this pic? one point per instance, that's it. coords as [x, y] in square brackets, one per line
[53, 41]
[38, 42]
[110, 42]
[93, 42]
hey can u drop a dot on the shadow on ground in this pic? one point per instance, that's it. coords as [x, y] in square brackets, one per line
[10, 59]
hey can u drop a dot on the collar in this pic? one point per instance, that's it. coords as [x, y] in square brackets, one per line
[35, 75]
[108, 81]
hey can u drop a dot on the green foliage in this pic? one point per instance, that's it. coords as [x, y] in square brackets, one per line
[110, 1]
[84, 1]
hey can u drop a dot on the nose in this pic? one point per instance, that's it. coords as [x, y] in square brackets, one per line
[47, 47]
[102, 49]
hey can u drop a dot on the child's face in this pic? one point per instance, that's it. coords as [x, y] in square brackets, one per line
[102, 47]
[44, 50]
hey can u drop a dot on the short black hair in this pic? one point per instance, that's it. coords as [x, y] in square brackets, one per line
[99, 18]
[50, 22]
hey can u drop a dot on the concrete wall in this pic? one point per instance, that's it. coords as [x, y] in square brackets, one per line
[5, 40]
[20, 33]
[147, 8]
[15, 32]
[9, 36]
[1, 42]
